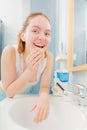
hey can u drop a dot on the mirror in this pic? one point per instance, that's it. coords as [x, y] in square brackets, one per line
[77, 35]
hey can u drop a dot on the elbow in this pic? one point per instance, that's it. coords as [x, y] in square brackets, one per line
[9, 94]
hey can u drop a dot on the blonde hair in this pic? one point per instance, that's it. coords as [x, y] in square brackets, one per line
[21, 43]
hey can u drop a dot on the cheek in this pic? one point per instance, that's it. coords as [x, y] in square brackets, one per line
[34, 38]
[48, 41]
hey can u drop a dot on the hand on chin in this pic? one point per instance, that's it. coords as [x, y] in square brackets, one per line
[41, 50]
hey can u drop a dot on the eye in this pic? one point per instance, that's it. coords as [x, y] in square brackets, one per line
[35, 31]
[47, 34]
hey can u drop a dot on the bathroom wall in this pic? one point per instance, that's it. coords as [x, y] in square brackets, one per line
[80, 77]
[12, 17]
[63, 22]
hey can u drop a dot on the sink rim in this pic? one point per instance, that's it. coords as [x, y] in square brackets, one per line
[9, 102]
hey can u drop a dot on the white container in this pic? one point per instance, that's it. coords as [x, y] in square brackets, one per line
[61, 73]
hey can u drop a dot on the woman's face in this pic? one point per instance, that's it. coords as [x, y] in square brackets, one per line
[38, 33]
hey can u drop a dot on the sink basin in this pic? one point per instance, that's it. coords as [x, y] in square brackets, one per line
[63, 115]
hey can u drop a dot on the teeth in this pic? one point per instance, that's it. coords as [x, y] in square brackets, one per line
[39, 45]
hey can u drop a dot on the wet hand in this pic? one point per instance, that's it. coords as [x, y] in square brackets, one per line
[41, 108]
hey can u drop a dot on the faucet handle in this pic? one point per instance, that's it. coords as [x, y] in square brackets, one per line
[82, 92]
[80, 89]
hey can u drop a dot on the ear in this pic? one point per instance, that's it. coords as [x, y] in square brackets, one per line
[22, 35]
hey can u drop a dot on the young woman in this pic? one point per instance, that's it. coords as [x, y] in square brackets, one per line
[29, 62]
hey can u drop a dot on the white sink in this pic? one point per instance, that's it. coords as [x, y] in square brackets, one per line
[63, 115]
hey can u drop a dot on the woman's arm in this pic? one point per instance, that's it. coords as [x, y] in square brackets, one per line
[11, 83]
[46, 75]
[42, 104]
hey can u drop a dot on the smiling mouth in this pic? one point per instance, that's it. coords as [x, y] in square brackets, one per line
[39, 45]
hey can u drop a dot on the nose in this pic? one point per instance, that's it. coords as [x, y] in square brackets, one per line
[42, 37]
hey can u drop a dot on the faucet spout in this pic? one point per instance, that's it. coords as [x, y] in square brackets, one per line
[81, 94]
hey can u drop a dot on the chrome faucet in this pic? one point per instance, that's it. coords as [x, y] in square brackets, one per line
[80, 89]
[80, 94]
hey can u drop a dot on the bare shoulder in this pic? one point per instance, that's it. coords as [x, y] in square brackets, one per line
[8, 54]
[8, 50]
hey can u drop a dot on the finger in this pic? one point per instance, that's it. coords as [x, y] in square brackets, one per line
[33, 61]
[36, 60]
[45, 114]
[33, 108]
[36, 118]
[32, 56]
[36, 65]
[40, 117]
[35, 54]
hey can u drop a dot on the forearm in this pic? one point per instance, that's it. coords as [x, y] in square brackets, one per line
[17, 85]
[45, 84]
[44, 89]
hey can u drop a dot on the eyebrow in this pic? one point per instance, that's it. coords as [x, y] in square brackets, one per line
[39, 28]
